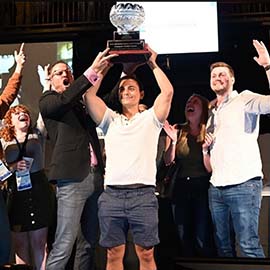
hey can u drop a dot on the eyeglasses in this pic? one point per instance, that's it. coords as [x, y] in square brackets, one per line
[61, 72]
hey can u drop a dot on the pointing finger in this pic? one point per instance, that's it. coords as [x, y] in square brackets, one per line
[21, 48]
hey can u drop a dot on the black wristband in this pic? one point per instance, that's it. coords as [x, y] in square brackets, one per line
[267, 67]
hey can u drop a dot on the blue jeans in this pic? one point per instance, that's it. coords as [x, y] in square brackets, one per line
[5, 236]
[73, 216]
[87, 237]
[242, 204]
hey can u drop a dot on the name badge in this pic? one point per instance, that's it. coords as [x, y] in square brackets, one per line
[23, 180]
[4, 172]
[23, 177]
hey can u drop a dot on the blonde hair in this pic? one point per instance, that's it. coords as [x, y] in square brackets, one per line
[182, 145]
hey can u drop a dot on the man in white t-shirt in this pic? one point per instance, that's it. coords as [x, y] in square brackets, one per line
[131, 139]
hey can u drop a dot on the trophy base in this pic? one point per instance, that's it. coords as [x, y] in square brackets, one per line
[128, 50]
[130, 56]
[129, 44]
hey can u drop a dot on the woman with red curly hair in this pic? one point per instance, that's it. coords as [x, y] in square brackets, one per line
[7, 97]
[29, 201]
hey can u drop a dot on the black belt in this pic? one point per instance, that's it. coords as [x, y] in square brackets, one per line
[189, 178]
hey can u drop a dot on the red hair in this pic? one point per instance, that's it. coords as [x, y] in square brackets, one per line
[8, 130]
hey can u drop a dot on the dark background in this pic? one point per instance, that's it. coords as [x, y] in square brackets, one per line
[87, 24]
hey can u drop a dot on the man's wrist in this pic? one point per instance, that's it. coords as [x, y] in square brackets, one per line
[267, 67]
[152, 65]
[91, 75]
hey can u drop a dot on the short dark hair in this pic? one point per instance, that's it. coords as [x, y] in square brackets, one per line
[130, 77]
[56, 63]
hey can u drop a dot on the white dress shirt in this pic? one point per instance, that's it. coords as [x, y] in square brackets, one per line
[235, 156]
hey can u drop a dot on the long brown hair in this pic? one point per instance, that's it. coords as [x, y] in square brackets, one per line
[182, 145]
[8, 130]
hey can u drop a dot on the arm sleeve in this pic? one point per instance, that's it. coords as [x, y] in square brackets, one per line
[107, 119]
[256, 103]
[54, 105]
[9, 93]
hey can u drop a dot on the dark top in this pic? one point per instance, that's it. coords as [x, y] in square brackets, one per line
[33, 149]
[192, 164]
[30, 209]
[70, 130]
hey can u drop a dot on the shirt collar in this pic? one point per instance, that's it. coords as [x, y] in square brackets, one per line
[133, 117]
[229, 97]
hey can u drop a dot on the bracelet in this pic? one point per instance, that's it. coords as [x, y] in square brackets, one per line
[174, 142]
[205, 152]
[267, 67]
[47, 79]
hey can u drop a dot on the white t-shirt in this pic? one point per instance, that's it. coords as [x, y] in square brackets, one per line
[131, 147]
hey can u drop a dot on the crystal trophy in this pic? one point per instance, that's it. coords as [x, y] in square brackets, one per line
[127, 18]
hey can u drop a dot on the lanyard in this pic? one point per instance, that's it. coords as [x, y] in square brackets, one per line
[21, 147]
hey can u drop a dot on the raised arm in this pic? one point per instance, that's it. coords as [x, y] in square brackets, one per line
[53, 105]
[44, 77]
[12, 88]
[95, 105]
[263, 58]
[20, 59]
[162, 104]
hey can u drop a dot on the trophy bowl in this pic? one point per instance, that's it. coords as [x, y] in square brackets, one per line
[127, 18]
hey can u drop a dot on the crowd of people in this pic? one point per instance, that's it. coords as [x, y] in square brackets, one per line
[97, 195]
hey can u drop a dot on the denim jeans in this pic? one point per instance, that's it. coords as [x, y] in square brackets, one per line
[87, 237]
[5, 236]
[73, 216]
[242, 204]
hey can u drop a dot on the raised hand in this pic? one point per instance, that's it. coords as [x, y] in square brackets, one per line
[102, 61]
[43, 74]
[152, 60]
[19, 58]
[46, 71]
[263, 58]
